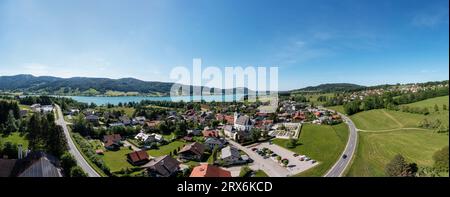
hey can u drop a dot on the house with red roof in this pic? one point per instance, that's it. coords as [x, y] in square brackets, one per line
[208, 170]
[138, 157]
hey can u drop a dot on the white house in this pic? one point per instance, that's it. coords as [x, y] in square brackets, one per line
[242, 122]
[230, 155]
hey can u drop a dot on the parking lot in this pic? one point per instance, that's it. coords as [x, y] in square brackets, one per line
[295, 166]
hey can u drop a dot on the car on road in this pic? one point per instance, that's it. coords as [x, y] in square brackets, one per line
[344, 156]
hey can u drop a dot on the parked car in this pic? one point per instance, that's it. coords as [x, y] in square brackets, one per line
[307, 159]
[254, 149]
[295, 155]
[313, 161]
[273, 155]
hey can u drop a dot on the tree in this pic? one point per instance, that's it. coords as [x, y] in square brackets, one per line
[441, 159]
[11, 125]
[56, 141]
[255, 134]
[67, 162]
[436, 108]
[214, 153]
[292, 143]
[180, 129]
[77, 172]
[398, 167]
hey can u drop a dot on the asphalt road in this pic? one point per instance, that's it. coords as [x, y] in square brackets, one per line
[72, 148]
[339, 167]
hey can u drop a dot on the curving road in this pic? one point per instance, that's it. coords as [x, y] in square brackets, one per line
[339, 167]
[72, 148]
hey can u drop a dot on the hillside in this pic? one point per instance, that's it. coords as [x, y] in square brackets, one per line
[331, 87]
[83, 85]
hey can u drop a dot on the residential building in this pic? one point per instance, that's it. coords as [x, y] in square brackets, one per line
[164, 166]
[112, 142]
[192, 151]
[208, 170]
[212, 142]
[138, 157]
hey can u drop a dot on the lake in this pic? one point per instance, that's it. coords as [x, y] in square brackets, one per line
[103, 100]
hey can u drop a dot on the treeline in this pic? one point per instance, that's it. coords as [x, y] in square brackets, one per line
[85, 128]
[88, 150]
[389, 100]
[64, 102]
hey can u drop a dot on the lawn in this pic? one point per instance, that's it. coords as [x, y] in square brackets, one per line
[261, 173]
[322, 143]
[117, 160]
[338, 108]
[376, 149]
[16, 138]
[166, 149]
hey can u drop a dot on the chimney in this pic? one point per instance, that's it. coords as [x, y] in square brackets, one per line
[19, 151]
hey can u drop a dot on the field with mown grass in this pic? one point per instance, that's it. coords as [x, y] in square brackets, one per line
[386, 133]
[376, 149]
[322, 143]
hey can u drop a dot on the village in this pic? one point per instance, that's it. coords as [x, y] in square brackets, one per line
[207, 140]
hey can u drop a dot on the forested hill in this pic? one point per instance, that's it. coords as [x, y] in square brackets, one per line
[80, 84]
[84, 86]
[331, 87]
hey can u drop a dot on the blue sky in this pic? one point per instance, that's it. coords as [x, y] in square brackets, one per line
[357, 41]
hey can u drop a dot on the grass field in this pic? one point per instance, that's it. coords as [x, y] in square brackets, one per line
[322, 143]
[383, 119]
[396, 132]
[166, 149]
[375, 150]
[117, 160]
[338, 108]
[16, 138]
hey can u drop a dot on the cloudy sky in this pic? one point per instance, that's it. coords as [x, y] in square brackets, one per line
[312, 42]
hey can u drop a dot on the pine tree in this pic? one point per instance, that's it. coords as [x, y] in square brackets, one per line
[11, 125]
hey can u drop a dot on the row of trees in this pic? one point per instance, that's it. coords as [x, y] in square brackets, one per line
[391, 100]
